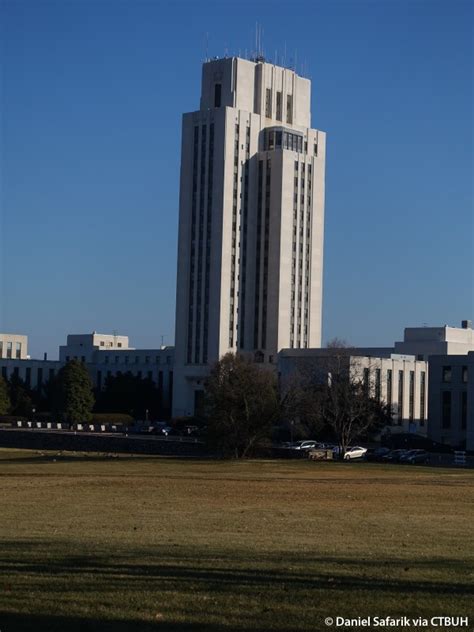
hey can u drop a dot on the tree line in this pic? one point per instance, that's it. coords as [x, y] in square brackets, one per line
[330, 398]
[244, 402]
[71, 397]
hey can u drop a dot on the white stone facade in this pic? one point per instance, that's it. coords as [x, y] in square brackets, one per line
[84, 346]
[251, 226]
[427, 341]
[13, 346]
[399, 381]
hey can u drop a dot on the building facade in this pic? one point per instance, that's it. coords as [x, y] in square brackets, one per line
[427, 341]
[400, 381]
[251, 222]
[451, 400]
[13, 346]
[104, 356]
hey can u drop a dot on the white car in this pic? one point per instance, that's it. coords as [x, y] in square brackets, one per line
[305, 445]
[356, 452]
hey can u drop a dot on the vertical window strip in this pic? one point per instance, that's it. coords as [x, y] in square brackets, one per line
[197, 340]
[378, 384]
[422, 396]
[234, 236]
[301, 256]
[400, 397]
[243, 240]
[389, 389]
[411, 410]
[258, 254]
[293, 256]
[210, 172]
[193, 247]
[265, 253]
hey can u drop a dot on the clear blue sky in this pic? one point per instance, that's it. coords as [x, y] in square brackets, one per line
[92, 94]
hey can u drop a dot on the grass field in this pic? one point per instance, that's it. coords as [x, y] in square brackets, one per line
[137, 543]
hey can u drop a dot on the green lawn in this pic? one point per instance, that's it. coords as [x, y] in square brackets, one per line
[142, 543]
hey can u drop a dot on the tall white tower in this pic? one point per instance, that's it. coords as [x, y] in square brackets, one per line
[251, 222]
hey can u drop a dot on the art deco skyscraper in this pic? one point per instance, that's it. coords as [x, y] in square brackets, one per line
[251, 222]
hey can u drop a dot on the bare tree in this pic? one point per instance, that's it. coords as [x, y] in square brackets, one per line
[242, 404]
[335, 393]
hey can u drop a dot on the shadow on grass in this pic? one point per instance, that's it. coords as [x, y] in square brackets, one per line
[187, 568]
[49, 623]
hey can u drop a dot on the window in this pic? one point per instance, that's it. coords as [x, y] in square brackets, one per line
[268, 103]
[18, 350]
[119, 344]
[366, 381]
[378, 381]
[463, 410]
[446, 374]
[446, 409]
[400, 397]
[278, 105]
[106, 359]
[464, 374]
[422, 397]
[412, 396]
[126, 359]
[9, 349]
[289, 109]
[102, 343]
[217, 95]
[147, 359]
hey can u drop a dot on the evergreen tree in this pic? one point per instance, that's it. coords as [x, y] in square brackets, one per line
[73, 398]
[4, 398]
[21, 402]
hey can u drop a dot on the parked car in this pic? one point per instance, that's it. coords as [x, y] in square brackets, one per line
[415, 456]
[376, 454]
[308, 444]
[161, 429]
[394, 456]
[355, 452]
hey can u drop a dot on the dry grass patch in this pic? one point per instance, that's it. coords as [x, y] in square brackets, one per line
[139, 543]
